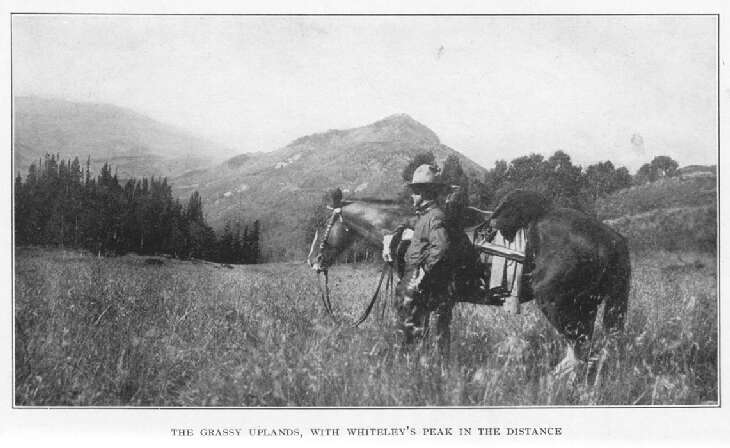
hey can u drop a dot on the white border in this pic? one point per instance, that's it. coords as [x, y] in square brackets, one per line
[597, 426]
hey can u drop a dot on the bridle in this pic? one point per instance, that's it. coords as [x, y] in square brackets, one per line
[334, 217]
[322, 268]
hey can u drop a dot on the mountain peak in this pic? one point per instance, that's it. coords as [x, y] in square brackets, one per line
[401, 117]
[403, 127]
[393, 128]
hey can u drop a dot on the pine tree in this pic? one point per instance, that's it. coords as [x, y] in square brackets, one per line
[59, 204]
[255, 250]
[195, 208]
[246, 246]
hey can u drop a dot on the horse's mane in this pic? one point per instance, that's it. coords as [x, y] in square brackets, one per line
[518, 209]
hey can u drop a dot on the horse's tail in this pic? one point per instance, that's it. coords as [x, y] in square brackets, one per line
[618, 284]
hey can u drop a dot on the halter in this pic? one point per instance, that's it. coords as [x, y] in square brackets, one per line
[336, 216]
[325, 294]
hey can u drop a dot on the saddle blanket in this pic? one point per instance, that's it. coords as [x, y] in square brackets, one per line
[507, 271]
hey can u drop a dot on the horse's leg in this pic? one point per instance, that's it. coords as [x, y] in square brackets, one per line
[615, 309]
[617, 283]
[569, 362]
[554, 312]
[574, 318]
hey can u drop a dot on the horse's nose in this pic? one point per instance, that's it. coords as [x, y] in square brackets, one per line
[313, 261]
[316, 265]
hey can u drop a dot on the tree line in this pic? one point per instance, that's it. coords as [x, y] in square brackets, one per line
[556, 177]
[61, 204]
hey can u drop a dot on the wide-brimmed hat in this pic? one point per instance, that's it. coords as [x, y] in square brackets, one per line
[427, 176]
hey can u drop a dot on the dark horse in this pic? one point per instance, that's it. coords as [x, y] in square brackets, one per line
[574, 262]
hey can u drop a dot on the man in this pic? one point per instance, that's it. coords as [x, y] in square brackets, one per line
[424, 287]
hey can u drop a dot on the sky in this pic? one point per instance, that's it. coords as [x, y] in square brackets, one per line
[619, 88]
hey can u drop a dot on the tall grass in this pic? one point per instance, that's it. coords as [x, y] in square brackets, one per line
[117, 331]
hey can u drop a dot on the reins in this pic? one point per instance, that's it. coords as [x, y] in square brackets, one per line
[325, 294]
[387, 267]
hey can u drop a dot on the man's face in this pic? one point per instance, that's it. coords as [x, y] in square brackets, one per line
[417, 197]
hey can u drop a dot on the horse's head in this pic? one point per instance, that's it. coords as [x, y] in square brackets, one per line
[516, 210]
[331, 240]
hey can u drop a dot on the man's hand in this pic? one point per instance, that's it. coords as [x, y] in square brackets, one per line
[387, 257]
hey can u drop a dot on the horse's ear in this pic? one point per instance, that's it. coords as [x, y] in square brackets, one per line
[336, 196]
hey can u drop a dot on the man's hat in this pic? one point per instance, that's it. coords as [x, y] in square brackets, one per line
[426, 176]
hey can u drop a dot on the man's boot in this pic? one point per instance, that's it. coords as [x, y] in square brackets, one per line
[411, 325]
[442, 335]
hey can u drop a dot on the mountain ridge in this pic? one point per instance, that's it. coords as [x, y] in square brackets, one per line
[282, 187]
[136, 145]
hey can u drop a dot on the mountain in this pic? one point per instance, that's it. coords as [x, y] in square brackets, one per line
[282, 187]
[133, 144]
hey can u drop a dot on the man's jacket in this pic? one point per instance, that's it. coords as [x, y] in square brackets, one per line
[430, 242]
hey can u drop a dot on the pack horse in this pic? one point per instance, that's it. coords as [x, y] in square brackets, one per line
[569, 265]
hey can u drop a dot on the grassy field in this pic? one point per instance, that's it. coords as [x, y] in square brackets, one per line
[121, 331]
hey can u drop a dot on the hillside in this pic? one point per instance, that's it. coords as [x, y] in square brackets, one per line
[676, 192]
[134, 144]
[281, 187]
[678, 213]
